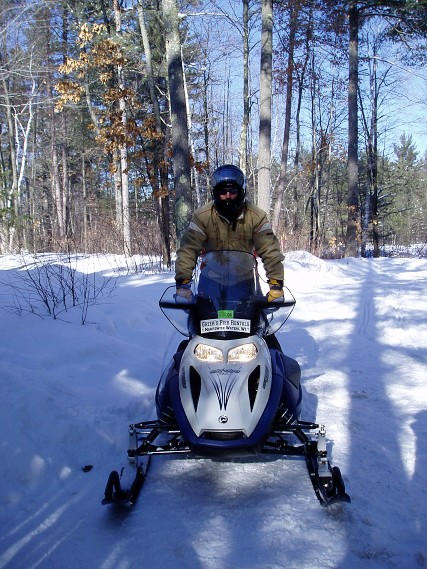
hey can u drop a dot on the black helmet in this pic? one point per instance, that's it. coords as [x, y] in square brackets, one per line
[228, 176]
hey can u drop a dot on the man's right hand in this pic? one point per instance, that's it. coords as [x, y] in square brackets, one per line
[183, 292]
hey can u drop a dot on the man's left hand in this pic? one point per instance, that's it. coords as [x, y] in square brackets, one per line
[276, 291]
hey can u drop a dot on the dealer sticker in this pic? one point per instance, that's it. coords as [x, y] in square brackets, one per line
[225, 313]
[225, 325]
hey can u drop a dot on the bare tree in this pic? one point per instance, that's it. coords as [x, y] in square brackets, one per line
[56, 188]
[124, 177]
[246, 107]
[264, 145]
[353, 221]
[281, 186]
[178, 110]
[161, 192]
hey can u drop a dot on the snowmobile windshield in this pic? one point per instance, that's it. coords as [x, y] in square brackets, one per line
[226, 281]
[227, 300]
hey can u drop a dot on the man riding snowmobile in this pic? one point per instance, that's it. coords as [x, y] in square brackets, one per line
[228, 388]
[229, 222]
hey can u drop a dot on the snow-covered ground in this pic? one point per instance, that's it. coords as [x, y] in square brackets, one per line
[68, 392]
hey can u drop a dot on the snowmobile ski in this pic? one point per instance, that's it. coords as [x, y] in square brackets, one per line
[155, 437]
[116, 492]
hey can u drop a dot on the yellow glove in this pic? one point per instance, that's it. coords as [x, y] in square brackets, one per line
[276, 291]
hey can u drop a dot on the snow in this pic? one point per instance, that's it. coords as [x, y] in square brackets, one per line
[68, 392]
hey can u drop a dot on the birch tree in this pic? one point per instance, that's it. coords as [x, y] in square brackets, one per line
[19, 123]
[124, 175]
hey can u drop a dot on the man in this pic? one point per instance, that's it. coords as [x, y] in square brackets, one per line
[229, 222]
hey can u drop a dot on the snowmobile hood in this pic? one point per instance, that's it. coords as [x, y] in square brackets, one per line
[220, 395]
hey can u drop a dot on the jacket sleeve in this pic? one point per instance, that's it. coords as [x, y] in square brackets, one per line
[268, 248]
[191, 245]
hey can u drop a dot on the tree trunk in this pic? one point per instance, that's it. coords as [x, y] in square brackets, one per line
[165, 201]
[370, 214]
[315, 182]
[12, 191]
[56, 185]
[65, 179]
[124, 176]
[59, 230]
[148, 65]
[245, 122]
[34, 209]
[91, 110]
[7, 230]
[195, 177]
[301, 79]
[55, 179]
[353, 220]
[84, 196]
[180, 150]
[280, 190]
[206, 128]
[161, 187]
[206, 120]
[117, 190]
[301, 83]
[264, 145]
[374, 158]
[64, 147]
[227, 150]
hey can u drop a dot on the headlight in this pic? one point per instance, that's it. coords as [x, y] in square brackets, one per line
[243, 353]
[206, 353]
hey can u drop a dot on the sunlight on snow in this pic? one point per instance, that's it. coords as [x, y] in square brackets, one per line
[407, 440]
[47, 553]
[38, 464]
[113, 561]
[143, 280]
[14, 549]
[131, 385]
[408, 399]
[211, 544]
[333, 410]
[65, 472]
[34, 514]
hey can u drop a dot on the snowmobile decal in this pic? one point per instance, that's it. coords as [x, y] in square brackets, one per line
[224, 371]
[223, 392]
[225, 325]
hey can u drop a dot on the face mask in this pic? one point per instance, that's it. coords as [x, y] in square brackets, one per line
[230, 209]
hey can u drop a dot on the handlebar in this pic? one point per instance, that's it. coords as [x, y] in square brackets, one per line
[260, 302]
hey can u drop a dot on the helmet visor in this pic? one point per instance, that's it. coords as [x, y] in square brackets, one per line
[227, 188]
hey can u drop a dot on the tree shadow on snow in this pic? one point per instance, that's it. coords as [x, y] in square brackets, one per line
[381, 521]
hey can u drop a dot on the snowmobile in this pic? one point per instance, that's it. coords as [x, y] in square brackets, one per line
[229, 390]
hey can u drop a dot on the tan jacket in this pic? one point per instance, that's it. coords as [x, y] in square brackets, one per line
[210, 231]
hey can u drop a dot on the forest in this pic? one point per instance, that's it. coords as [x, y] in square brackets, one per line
[114, 113]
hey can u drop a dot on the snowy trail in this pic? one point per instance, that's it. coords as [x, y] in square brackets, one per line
[67, 393]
